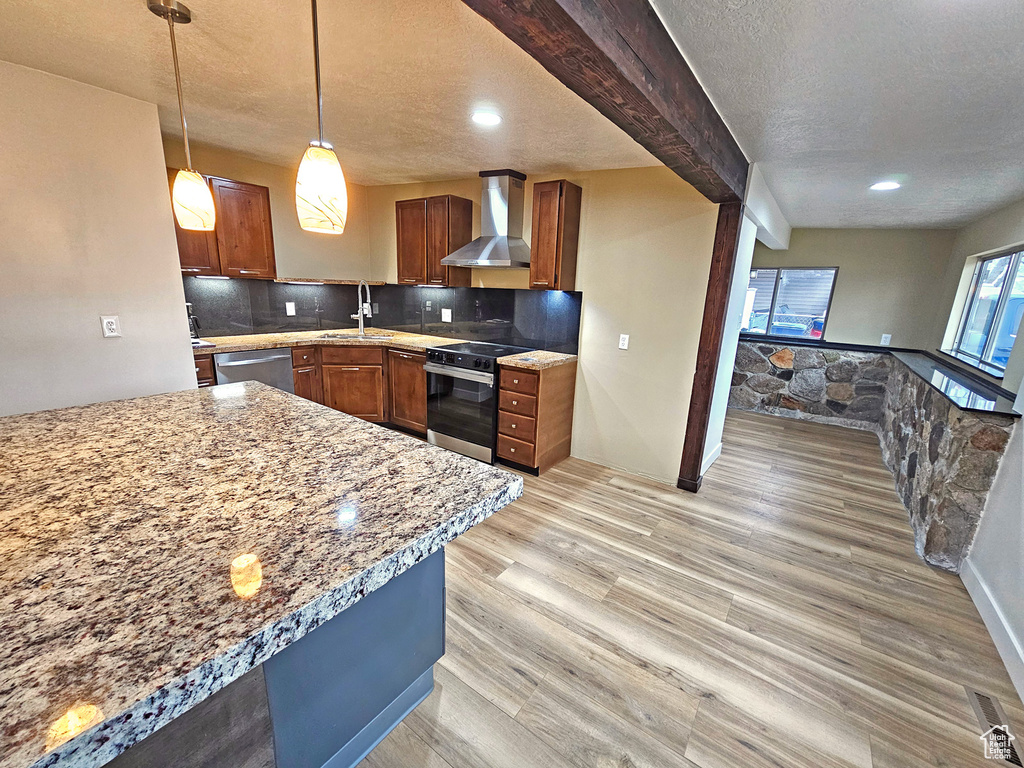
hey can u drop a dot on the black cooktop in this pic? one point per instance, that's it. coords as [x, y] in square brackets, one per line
[484, 349]
[479, 355]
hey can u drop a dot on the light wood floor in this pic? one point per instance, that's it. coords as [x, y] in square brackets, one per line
[778, 618]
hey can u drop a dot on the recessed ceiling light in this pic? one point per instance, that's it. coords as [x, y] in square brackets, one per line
[885, 186]
[486, 118]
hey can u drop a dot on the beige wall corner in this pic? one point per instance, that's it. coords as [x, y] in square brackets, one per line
[299, 254]
[889, 280]
[998, 231]
[85, 230]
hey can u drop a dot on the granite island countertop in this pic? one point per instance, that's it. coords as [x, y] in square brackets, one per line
[411, 342]
[154, 550]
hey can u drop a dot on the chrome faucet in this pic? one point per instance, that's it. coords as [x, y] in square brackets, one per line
[364, 309]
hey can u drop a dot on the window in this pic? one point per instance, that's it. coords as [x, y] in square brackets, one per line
[789, 302]
[991, 318]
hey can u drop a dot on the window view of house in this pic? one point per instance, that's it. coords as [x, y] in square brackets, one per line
[789, 302]
[993, 312]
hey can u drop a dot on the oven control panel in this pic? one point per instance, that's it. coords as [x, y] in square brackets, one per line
[460, 360]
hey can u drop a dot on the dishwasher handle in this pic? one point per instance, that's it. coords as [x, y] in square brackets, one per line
[256, 361]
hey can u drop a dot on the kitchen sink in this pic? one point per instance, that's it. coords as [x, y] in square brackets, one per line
[361, 337]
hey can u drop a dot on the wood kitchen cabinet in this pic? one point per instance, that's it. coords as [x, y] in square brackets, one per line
[353, 381]
[245, 239]
[242, 243]
[535, 415]
[306, 374]
[428, 229]
[555, 235]
[205, 376]
[407, 390]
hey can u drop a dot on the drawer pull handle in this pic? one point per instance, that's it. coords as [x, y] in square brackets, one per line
[513, 426]
[515, 381]
[249, 271]
[512, 449]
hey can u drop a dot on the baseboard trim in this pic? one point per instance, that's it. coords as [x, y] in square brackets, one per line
[1010, 647]
[710, 459]
[690, 485]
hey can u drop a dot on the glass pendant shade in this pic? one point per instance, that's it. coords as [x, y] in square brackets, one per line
[193, 202]
[321, 199]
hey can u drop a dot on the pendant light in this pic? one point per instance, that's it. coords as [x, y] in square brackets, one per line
[321, 199]
[190, 196]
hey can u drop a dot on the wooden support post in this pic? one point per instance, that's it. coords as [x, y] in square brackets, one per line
[723, 259]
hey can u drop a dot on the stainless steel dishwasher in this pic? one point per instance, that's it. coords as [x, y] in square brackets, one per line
[270, 366]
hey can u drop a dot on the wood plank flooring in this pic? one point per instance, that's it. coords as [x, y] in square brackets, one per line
[778, 618]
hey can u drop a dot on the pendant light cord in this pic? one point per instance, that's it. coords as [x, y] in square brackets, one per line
[319, 90]
[181, 99]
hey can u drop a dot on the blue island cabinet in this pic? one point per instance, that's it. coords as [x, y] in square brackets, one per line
[324, 701]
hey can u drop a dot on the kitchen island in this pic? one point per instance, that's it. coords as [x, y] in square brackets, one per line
[155, 551]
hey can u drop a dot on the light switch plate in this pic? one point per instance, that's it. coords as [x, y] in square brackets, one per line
[111, 325]
[289, 308]
[623, 341]
[886, 339]
[446, 315]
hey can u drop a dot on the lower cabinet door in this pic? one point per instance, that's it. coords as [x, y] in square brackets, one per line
[355, 389]
[408, 390]
[307, 383]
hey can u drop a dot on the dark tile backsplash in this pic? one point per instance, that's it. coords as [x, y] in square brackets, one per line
[539, 319]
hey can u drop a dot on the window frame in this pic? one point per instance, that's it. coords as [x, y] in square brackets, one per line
[775, 296]
[979, 362]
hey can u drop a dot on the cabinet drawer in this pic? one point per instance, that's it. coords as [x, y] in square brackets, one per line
[204, 367]
[513, 402]
[515, 450]
[519, 381]
[303, 357]
[519, 427]
[351, 356]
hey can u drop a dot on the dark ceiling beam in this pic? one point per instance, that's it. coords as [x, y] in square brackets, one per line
[618, 57]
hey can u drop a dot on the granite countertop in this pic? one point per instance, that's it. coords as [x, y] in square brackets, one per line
[412, 342]
[965, 393]
[154, 550]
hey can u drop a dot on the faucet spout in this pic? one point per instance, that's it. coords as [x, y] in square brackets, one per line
[363, 309]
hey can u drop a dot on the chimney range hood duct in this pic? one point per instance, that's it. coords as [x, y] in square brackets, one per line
[501, 243]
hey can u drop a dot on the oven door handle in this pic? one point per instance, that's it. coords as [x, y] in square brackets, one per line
[460, 373]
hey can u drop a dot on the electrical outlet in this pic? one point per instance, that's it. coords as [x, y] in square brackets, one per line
[111, 325]
[886, 339]
[446, 315]
[428, 305]
[623, 341]
[289, 308]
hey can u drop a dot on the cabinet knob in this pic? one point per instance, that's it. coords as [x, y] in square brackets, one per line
[515, 402]
[515, 381]
[512, 449]
[513, 426]
[197, 369]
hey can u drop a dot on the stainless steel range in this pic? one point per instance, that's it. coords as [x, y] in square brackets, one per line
[462, 396]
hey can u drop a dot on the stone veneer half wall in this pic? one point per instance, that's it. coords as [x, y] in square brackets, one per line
[825, 385]
[944, 460]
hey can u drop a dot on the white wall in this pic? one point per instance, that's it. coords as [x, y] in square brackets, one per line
[761, 208]
[994, 570]
[730, 341]
[85, 230]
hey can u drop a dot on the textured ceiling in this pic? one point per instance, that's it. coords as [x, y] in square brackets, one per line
[831, 96]
[400, 80]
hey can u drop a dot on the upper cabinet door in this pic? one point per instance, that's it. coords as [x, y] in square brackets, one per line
[545, 239]
[437, 240]
[197, 251]
[245, 239]
[412, 241]
[555, 236]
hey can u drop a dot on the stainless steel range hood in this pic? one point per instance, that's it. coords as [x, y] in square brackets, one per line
[501, 243]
